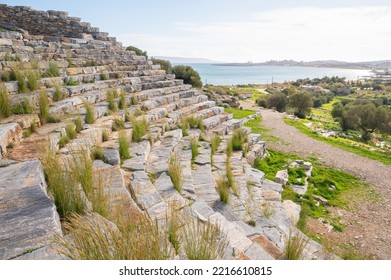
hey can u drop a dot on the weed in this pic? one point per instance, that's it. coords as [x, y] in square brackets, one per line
[105, 136]
[63, 141]
[58, 94]
[78, 124]
[203, 241]
[152, 177]
[124, 145]
[251, 223]
[194, 122]
[110, 95]
[32, 80]
[97, 154]
[122, 101]
[133, 100]
[176, 173]
[5, 103]
[103, 77]
[295, 246]
[238, 139]
[118, 124]
[215, 143]
[90, 63]
[43, 107]
[90, 113]
[71, 82]
[223, 189]
[139, 129]
[17, 75]
[52, 71]
[194, 149]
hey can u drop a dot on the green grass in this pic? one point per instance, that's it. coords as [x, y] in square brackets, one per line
[194, 149]
[133, 100]
[239, 138]
[5, 103]
[111, 104]
[23, 107]
[43, 107]
[58, 94]
[215, 143]
[52, 71]
[295, 246]
[32, 80]
[90, 113]
[103, 77]
[176, 173]
[17, 75]
[296, 176]
[97, 154]
[105, 136]
[124, 145]
[70, 130]
[118, 124]
[194, 122]
[238, 113]
[71, 82]
[78, 124]
[122, 101]
[271, 164]
[256, 127]
[222, 187]
[341, 143]
[139, 129]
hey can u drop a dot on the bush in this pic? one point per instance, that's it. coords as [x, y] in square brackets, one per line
[139, 129]
[175, 172]
[137, 51]
[301, 103]
[239, 138]
[188, 75]
[5, 103]
[164, 64]
[124, 145]
[90, 113]
[279, 101]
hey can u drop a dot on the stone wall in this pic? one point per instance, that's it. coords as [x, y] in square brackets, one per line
[50, 23]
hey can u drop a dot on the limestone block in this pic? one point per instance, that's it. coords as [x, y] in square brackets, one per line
[292, 210]
[10, 133]
[281, 177]
[28, 217]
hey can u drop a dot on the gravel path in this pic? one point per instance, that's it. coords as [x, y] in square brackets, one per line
[368, 227]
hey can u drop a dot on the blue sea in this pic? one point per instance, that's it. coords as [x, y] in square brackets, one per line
[234, 75]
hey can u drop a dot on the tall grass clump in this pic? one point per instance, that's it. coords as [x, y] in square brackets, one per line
[122, 101]
[176, 174]
[5, 103]
[194, 122]
[63, 186]
[105, 136]
[215, 143]
[78, 124]
[139, 129]
[239, 138]
[174, 224]
[223, 189]
[17, 75]
[70, 130]
[99, 199]
[203, 241]
[118, 124]
[43, 102]
[295, 246]
[90, 113]
[110, 96]
[194, 149]
[58, 94]
[133, 100]
[23, 107]
[94, 238]
[83, 168]
[32, 80]
[52, 71]
[124, 145]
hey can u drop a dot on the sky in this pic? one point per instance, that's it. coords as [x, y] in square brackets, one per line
[241, 31]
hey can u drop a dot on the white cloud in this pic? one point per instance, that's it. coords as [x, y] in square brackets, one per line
[351, 33]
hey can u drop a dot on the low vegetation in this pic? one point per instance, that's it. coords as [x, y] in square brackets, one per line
[222, 187]
[295, 246]
[239, 138]
[124, 145]
[5, 103]
[194, 149]
[176, 173]
[239, 113]
[139, 129]
[90, 113]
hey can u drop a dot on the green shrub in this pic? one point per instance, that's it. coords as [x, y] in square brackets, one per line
[139, 129]
[238, 139]
[103, 77]
[194, 149]
[90, 113]
[5, 103]
[176, 174]
[188, 75]
[122, 101]
[118, 124]
[43, 107]
[124, 145]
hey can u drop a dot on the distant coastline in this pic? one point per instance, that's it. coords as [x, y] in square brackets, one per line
[318, 64]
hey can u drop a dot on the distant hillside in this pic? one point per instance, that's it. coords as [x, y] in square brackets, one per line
[319, 63]
[188, 60]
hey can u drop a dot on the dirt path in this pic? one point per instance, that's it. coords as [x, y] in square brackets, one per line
[368, 227]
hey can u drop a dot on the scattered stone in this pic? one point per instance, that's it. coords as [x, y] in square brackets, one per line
[112, 156]
[282, 177]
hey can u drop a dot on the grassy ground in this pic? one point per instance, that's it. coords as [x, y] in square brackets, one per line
[257, 128]
[345, 144]
[339, 188]
[238, 113]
